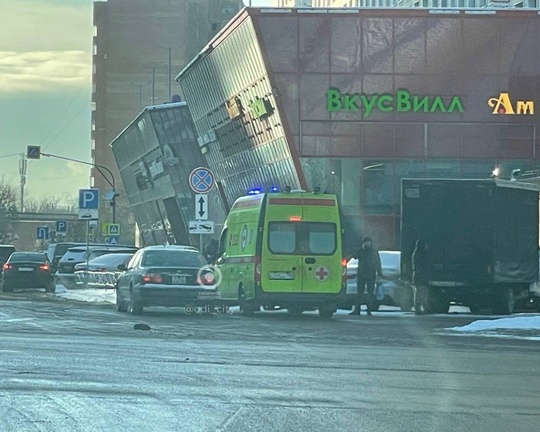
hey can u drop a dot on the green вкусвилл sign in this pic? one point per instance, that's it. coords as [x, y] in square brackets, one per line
[402, 101]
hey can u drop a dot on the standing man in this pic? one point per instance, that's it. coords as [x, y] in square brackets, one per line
[369, 266]
[420, 273]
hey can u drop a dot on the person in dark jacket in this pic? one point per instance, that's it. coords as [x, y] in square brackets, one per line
[211, 250]
[369, 266]
[420, 276]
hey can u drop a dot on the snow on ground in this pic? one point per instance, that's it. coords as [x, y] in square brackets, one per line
[93, 295]
[524, 326]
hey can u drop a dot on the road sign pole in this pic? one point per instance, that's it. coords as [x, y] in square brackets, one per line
[201, 243]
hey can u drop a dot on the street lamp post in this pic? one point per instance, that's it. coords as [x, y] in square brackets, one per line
[99, 168]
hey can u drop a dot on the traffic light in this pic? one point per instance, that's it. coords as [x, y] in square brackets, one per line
[33, 152]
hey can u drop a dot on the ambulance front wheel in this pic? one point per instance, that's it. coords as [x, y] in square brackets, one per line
[247, 307]
[326, 312]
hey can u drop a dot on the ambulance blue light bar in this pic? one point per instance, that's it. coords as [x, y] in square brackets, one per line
[274, 189]
[256, 191]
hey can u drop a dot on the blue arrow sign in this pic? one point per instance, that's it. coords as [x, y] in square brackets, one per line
[88, 199]
[201, 180]
[42, 233]
[61, 226]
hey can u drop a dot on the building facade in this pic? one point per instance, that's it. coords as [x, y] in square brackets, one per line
[136, 47]
[155, 155]
[471, 4]
[351, 103]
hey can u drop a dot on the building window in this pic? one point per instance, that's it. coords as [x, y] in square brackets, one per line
[377, 187]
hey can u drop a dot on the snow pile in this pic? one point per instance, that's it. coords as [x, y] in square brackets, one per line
[520, 327]
[92, 295]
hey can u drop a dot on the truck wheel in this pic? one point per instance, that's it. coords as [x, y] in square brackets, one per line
[475, 309]
[436, 303]
[247, 307]
[504, 302]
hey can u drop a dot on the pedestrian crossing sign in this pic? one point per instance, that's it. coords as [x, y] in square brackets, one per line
[110, 229]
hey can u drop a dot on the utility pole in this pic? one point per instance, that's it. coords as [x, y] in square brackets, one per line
[170, 72]
[153, 86]
[23, 165]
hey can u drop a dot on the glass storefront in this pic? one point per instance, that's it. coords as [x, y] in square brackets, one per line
[351, 103]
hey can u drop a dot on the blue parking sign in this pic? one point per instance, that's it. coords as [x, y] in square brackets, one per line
[88, 199]
[61, 226]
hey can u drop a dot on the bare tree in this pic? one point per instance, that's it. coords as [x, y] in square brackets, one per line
[8, 208]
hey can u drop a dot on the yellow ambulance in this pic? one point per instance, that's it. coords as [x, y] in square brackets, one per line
[282, 250]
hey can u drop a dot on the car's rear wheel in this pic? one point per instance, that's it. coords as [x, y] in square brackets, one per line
[135, 306]
[406, 302]
[120, 304]
[50, 287]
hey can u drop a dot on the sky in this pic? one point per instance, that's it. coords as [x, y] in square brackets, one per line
[45, 92]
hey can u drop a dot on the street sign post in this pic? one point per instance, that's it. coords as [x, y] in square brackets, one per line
[201, 180]
[201, 206]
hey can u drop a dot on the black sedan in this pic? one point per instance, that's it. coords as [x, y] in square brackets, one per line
[27, 270]
[165, 276]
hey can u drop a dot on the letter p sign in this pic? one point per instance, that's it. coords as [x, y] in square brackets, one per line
[88, 199]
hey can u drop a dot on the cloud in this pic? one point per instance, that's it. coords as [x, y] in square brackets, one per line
[43, 25]
[79, 170]
[41, 70]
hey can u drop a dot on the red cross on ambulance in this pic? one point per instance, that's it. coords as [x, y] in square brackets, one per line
[321, 273]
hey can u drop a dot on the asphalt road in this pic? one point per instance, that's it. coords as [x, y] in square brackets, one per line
[69, 366]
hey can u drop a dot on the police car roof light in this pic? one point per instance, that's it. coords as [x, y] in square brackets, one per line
[274, 189]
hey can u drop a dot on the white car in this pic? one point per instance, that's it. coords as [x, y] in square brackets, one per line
[391, 289]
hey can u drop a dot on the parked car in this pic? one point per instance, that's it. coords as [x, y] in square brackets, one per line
[164, 276]
[5, 252]
[392, 290]
[101, 272]
[27, 270]
[78, 254]
[55, 251]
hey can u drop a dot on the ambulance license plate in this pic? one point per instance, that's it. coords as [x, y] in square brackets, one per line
[281, 276]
